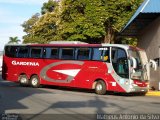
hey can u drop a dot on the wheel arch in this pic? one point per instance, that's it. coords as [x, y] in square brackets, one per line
[98, 79]
[23, 74]
[33, 75]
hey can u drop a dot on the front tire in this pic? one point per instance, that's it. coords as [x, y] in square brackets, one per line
[23, 80]
[34, 81]
[100, 87]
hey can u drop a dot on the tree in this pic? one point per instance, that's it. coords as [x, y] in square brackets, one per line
[95, 21]
[82, 20]
[27, 25]
[14, 40]
[41, 29]
[92, 21]
[119, 12]
[45, 28]
[48, 6]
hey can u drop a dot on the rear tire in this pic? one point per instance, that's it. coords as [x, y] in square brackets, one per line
[23, 80]
[34, 82]
[100, 87]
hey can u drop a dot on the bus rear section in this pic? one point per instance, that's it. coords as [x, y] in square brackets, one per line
[102, 67]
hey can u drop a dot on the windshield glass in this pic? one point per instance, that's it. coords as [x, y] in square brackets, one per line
[140, 71]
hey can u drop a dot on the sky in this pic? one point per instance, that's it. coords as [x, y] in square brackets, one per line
[12, 14]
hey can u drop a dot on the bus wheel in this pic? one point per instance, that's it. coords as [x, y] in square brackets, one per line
[100, 87]
[34, 82]
[23, 80]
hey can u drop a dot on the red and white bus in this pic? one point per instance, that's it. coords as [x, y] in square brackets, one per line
[103, 67]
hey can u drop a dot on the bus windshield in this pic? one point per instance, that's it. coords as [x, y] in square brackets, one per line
[140, 72]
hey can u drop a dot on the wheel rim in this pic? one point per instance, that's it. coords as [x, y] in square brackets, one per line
[99, 87]
[34, 81]
[23, 80]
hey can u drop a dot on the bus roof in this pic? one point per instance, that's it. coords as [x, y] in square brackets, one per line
[84, 45]
[69, 45]
[78, 45]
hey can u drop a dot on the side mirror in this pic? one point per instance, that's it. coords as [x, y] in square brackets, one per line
[153, 64]
[133, 62]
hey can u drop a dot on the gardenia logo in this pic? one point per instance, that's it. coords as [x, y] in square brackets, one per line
[25, 63]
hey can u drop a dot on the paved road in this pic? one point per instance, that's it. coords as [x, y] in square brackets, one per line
[51, 100]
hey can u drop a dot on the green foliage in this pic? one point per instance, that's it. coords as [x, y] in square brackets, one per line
[119, 12]
[41, 29]
[28, 25]
[33, 39]
[128, 41]
[82, 20]
[45, 28]
[14, 40]
[48, 6]
[92, 21]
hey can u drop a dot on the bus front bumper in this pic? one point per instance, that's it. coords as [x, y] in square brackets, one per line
[139, 89]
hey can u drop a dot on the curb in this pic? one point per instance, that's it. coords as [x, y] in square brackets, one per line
[153, 93]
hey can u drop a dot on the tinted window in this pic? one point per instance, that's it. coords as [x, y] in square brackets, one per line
[83, 53]
[36, 53]
[67, 53]
[97, 54]
[54, 53]
[23, 52]
[106, 55]
[120, 62]
[51, 53]
[11, 51]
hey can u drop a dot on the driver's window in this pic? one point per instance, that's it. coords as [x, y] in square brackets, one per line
[120, 62]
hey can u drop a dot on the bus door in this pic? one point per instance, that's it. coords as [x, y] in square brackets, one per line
[120, 67]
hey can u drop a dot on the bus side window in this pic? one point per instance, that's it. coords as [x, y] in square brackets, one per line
[83, 54]
[54, 53]
[51, 53]
[11, 51]
[23, 52]
[36, 53]
[67, 53]
[97, 54]
[106, 55]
